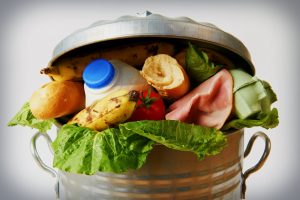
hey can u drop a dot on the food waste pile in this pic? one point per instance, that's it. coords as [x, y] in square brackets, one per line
[112, 106]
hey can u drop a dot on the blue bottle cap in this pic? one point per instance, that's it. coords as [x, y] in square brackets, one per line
[99, 73]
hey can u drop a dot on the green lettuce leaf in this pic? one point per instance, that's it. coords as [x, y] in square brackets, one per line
[85, 151]
[25, 118]
[271, 94]
[198, 66]
[181, 136]
[265, 120]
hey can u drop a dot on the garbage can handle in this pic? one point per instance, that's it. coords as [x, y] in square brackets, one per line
[261, 161]
[39, 161]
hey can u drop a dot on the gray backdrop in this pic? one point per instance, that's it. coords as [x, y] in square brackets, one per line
[31, 29]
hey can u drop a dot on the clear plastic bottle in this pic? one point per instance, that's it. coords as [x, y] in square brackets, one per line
[101, 77]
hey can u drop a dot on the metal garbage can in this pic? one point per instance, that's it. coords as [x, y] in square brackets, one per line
[167, 174]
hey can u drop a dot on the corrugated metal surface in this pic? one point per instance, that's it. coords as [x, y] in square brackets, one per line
[167, 174]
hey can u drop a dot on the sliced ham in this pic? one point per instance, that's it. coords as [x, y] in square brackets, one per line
[208, 105]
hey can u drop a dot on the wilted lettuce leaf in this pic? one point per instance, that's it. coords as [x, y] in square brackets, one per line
[265, 120]
[82, 150]
[85, 151]
[181, 136]
[198, 67]
[270, 92]
[25, 118]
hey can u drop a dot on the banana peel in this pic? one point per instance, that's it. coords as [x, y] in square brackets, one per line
[113, 109]
[72, 67]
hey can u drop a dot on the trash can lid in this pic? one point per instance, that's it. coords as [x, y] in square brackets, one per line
[148, 25]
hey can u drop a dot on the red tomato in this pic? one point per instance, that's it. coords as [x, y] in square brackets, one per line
[150, 106]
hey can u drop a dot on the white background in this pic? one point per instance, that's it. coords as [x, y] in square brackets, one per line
[30, 30]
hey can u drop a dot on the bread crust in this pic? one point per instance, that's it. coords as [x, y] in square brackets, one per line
[171, 85]
[57, 99]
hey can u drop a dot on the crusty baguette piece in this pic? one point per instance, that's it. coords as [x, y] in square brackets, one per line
[57, 99]
[165, 74]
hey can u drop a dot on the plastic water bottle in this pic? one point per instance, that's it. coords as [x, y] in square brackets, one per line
[102, 77]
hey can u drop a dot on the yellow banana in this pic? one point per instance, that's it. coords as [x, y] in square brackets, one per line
[71, 67]
[115, 108]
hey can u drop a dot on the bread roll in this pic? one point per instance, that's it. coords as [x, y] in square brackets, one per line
[180, 57]
[57, 99]
[165, 74]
